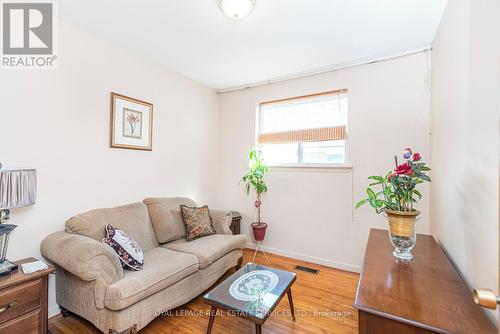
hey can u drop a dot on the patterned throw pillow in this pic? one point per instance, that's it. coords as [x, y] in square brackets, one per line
[197, 222]
[128, 250]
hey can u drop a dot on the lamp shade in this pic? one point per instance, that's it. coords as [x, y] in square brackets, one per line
[17, 187]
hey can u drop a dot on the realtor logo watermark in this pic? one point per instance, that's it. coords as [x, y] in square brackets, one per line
[28, 31]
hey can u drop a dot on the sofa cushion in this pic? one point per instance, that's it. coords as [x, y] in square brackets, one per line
[210, 248]
[197, 222]
[128, 250]
[162, 268]
[166, 217]
[133, 219]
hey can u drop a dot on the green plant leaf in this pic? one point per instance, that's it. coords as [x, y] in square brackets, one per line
[424, 177]
[416, 192]
[360, 203]
[373, 203]
[254, 177]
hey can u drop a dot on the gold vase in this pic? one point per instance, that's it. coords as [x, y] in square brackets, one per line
[402, 232]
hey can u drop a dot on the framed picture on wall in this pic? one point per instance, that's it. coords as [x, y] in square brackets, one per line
[131, 123]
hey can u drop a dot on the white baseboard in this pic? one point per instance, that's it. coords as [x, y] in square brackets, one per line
[313, 259]
[53, 311]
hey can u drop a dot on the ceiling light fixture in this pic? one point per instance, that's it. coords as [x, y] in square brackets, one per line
[236, 9]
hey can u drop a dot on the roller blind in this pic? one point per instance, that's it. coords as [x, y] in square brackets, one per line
[312, 118]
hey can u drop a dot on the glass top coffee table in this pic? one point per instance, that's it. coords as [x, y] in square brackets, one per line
[252, 292]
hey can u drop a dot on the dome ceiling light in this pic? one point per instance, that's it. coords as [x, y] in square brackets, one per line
[236, 9]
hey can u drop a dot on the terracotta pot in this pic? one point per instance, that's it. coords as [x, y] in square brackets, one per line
[402, 232]
[259, 231]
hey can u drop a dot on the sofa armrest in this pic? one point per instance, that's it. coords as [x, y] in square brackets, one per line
[83, 257]
[222, 220]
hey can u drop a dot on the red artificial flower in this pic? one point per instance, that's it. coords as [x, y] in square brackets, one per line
[404, 169]
[416, 156]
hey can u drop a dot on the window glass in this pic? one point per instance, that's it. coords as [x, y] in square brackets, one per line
[308, 130]
[275, 154]
[324, 152]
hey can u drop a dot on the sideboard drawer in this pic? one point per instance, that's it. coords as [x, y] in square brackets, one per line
[30, 323]
[20, 299]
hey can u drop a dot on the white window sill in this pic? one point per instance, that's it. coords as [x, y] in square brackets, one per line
[327, 168]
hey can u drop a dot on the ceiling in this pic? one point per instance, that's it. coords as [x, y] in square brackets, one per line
[279, 38]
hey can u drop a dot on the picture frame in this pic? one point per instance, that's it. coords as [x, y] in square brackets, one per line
[131, 123]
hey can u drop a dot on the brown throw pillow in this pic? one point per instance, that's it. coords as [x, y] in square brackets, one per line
[197, 222]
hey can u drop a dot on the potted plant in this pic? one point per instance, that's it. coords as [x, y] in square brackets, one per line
[254, 179]
[395, 195]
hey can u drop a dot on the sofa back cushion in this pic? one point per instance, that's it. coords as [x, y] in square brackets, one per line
[167, 218]
[133, 219]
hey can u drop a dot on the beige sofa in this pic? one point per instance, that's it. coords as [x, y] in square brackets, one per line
[90, 280]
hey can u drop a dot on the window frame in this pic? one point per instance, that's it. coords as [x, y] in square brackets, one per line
[300, 165]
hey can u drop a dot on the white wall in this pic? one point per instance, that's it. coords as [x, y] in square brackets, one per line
[464, 141]
[309, 212]
[58, 122]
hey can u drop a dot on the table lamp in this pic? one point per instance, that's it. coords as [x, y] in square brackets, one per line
[17, 190]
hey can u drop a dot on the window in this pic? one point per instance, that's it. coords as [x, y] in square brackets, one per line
[304, 130]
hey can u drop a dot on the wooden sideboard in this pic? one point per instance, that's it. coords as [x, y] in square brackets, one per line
[23, 301]
[236, 222]
[426, 295]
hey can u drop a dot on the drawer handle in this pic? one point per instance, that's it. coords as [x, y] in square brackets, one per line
[8, 306]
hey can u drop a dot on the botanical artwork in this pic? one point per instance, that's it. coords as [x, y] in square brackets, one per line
[131, 123]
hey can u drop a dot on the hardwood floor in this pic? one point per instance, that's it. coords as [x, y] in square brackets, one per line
[323, 304]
